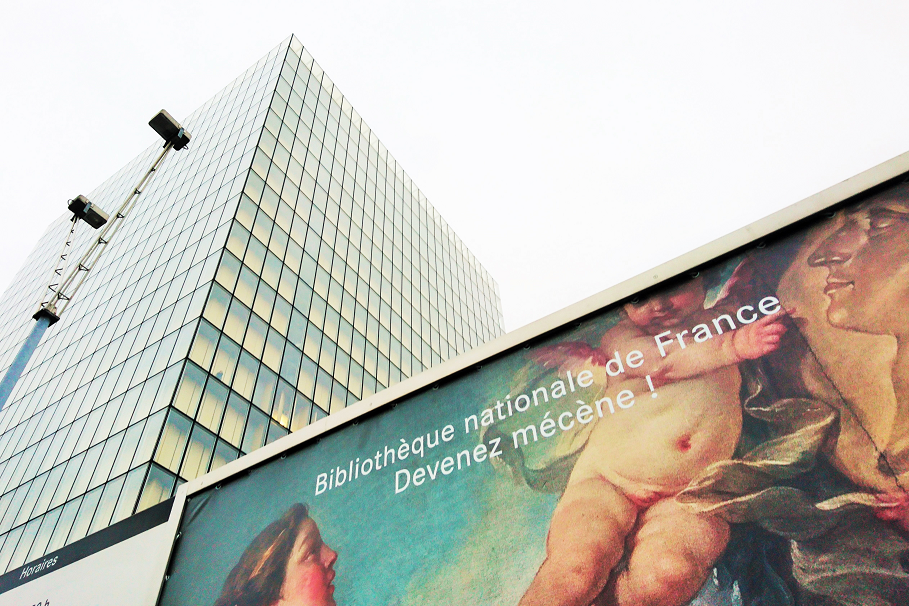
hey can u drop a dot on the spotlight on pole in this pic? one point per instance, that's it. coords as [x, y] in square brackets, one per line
[88, 212]
[175, 137]
[169, 130]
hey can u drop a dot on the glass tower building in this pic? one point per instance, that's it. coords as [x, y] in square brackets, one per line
[279, 269]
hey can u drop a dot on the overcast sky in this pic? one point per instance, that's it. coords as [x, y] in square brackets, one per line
[571, 145]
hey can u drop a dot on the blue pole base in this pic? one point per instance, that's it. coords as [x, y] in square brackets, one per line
[42, 322]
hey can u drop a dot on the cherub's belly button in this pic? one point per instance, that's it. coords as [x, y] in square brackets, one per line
[683, 443]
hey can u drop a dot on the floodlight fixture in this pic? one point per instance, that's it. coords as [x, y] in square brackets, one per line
[170, 130]
[175, 137]
[88, 212]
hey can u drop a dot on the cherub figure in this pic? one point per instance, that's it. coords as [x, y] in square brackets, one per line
[619, 503]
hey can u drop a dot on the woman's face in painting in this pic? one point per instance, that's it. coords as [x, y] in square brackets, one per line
[868, 267]
[309, 574]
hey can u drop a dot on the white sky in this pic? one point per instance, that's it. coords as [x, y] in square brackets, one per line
[571, 145]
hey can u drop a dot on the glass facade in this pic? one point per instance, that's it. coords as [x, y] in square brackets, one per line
[281, 268]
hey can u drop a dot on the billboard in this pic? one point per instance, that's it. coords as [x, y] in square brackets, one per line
[122, 564]
[735, 434]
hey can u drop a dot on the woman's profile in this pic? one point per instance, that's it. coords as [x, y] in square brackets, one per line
[867, 287]
[287, 564]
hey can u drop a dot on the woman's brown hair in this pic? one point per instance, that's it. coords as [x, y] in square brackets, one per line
[258, 577]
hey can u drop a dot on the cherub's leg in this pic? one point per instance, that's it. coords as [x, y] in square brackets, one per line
[586, 539]
[672, 554]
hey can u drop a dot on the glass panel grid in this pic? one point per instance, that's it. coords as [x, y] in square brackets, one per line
[282, 268]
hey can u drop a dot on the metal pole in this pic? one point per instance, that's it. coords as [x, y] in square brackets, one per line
[42, 321]
[48, 313]
[62, 258]
[88, 260]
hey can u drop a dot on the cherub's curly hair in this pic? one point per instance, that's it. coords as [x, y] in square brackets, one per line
[257, 578]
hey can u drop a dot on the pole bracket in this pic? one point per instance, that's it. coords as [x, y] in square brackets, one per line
[44, 312]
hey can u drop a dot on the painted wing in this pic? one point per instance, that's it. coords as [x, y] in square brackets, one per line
[570, 355]
[740, 287]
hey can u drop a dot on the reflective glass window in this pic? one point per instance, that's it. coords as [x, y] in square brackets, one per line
[173, 441]
[211, 410]
[198, 454]
[234, 419]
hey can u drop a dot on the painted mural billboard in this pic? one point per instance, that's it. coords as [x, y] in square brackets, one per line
[738, 435]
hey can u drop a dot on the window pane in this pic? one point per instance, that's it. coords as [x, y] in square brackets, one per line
[25, 543]
[130, 493]
[234, 419]
[271, 272]
[224, 454]
[127, 449]
[297, 331]
[246, 286]
[32, 491]
[86, 471]
[245, 379]
[66, 481]
[50, 487]
[106, 506]
[225, 361]
[198, 454]
[173, 441]
[227, 272]
[262, 226]
[284, 402]
[274, 348]
[236, 241]
[313, 344]
[48, 522]
[265, 301]
[256, 426]
[107, 421]
[4, 503]
[290, 363]
[127, 408]
[84, 517]
[322, 396]
[203, 349]
[288, 283]
[149, 438]
[280, 319]
[302, 412]
[150, 390]
[158, 487]
[190, 391]
[64, 524]
[9, 546]
[275, 432]
[237, 319]
[91, 424]
[213, 401]
[106, 461]
[168, 385]
[338, 397]
[255, 336]
[216, 308]
[264, 394]
[317, 414]
[255, 255]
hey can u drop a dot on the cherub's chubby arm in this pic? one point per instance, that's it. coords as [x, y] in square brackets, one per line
[748, 342]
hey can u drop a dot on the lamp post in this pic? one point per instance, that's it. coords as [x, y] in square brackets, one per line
[175, 137]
